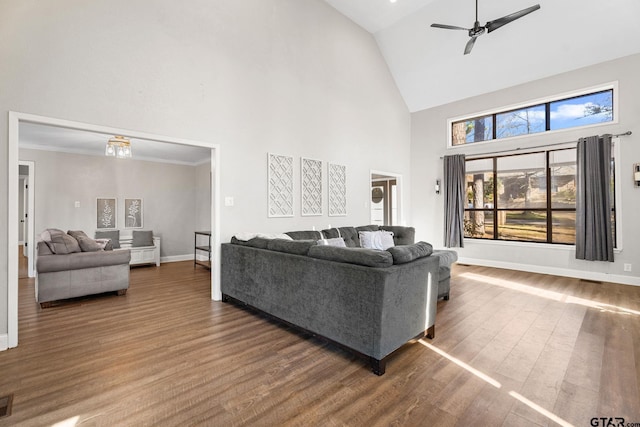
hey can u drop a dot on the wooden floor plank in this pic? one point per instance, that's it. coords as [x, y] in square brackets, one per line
[165, 354]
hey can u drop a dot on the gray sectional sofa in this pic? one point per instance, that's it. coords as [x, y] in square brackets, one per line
[66, 269]
[370, 301]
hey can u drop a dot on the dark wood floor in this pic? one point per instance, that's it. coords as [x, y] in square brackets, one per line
[511, 348]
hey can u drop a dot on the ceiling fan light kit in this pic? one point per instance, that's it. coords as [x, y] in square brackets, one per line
[477, 29]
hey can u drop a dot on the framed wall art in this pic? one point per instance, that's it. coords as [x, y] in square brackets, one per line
[106, 208]
[337, 190]
[311, 185]
[133, 217]
[280, 191]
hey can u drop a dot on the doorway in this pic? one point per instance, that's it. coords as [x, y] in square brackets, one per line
[15, 119]
[385, 198]
[26, 198]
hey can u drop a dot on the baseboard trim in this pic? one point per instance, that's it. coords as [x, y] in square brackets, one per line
[4, 342]
[176, 258]
[564, 272]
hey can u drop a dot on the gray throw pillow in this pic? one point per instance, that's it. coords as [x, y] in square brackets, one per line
[142, 238]
[408, 253]
[114, 235]
[61, 243]
[87, 244]
[76, 233]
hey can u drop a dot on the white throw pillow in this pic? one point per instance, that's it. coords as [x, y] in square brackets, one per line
[337, 241]
[381, 240]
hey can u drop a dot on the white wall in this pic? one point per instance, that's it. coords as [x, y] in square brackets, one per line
[429, 142]
[254, 76]
[168, 192]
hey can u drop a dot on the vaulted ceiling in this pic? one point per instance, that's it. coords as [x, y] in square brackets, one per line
[430, 69]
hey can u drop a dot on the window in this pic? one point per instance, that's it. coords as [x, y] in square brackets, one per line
[525, 197]
[555, 114]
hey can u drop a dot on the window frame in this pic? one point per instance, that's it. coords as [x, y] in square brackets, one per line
[549, 210]
[612, 86]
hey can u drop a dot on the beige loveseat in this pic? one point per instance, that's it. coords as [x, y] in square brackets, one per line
[65, 270]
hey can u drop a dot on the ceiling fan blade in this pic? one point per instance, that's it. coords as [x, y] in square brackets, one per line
[469, 46]
[448, 27]
[497, 23]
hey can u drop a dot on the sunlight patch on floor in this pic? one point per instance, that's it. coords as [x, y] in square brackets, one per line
[462, 364]
[553, 417]
[552, 295]
[550, 415]
[69, 422]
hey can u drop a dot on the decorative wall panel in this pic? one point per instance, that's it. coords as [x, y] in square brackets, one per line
[311, 180]
[337, 190]
[280, 186]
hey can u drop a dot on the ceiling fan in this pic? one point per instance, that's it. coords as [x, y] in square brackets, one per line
[477, 29]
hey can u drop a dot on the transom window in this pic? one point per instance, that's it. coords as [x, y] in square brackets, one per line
[575, 111]
[525, 197]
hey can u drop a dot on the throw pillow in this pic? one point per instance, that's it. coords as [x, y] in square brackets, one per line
[62, 243]
[76, 233]
[142, 238]
[87, 244]
[114, 235]
[381, 240]
[337, 241]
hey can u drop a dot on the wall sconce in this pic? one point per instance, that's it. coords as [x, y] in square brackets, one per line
[636, 174]
[437, 186]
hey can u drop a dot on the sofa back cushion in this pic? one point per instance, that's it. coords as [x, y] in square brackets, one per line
[358, 256]
[401, 235]
[114, 235]
[407, 253]
[296, 247]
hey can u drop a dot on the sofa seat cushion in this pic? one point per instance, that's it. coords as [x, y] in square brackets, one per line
[408, 253]
[296, 247]
[359, 256]
[446, 257]
[80, 260]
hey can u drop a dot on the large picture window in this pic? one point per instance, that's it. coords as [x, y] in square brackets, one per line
[524, 197]
[555, 114]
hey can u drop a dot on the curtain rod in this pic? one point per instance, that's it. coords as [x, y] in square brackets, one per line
[627, 133]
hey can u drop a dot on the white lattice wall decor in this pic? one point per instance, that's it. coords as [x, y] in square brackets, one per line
[311, 180]
[337, 190]
[280, 186]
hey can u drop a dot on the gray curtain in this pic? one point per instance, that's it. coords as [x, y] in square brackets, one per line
[454, 199]
[594, 237]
